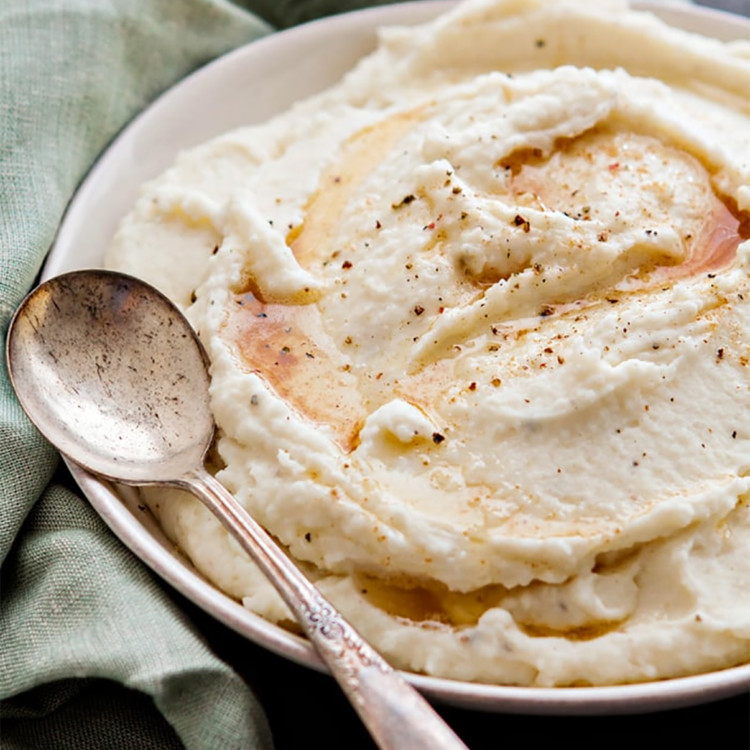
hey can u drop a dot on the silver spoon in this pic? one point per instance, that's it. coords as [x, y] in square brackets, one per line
[113, 375]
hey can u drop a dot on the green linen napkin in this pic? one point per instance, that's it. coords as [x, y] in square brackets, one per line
[75, 605]
[94, 653]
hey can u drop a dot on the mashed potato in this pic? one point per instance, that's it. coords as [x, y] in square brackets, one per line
[479, 325]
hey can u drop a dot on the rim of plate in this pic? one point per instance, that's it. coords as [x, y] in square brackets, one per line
[249, 85]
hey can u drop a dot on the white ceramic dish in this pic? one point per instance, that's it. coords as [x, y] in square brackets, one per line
[247, 86]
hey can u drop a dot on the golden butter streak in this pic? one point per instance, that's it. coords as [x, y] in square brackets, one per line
[359, 156]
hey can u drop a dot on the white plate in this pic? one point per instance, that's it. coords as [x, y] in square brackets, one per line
[247, 86]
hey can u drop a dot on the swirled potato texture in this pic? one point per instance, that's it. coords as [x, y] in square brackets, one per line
[478, 324]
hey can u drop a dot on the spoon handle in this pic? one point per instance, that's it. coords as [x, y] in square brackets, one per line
[396, 715]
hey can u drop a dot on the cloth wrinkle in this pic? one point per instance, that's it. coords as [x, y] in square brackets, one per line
[86, 630]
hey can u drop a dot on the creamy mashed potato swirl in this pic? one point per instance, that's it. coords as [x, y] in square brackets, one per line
[479, 331]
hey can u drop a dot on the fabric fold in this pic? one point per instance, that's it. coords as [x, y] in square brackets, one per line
[84, 627]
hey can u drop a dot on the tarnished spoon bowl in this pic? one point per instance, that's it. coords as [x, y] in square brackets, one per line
[113, 375]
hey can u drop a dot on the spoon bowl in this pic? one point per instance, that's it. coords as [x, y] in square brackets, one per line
[113, 375]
